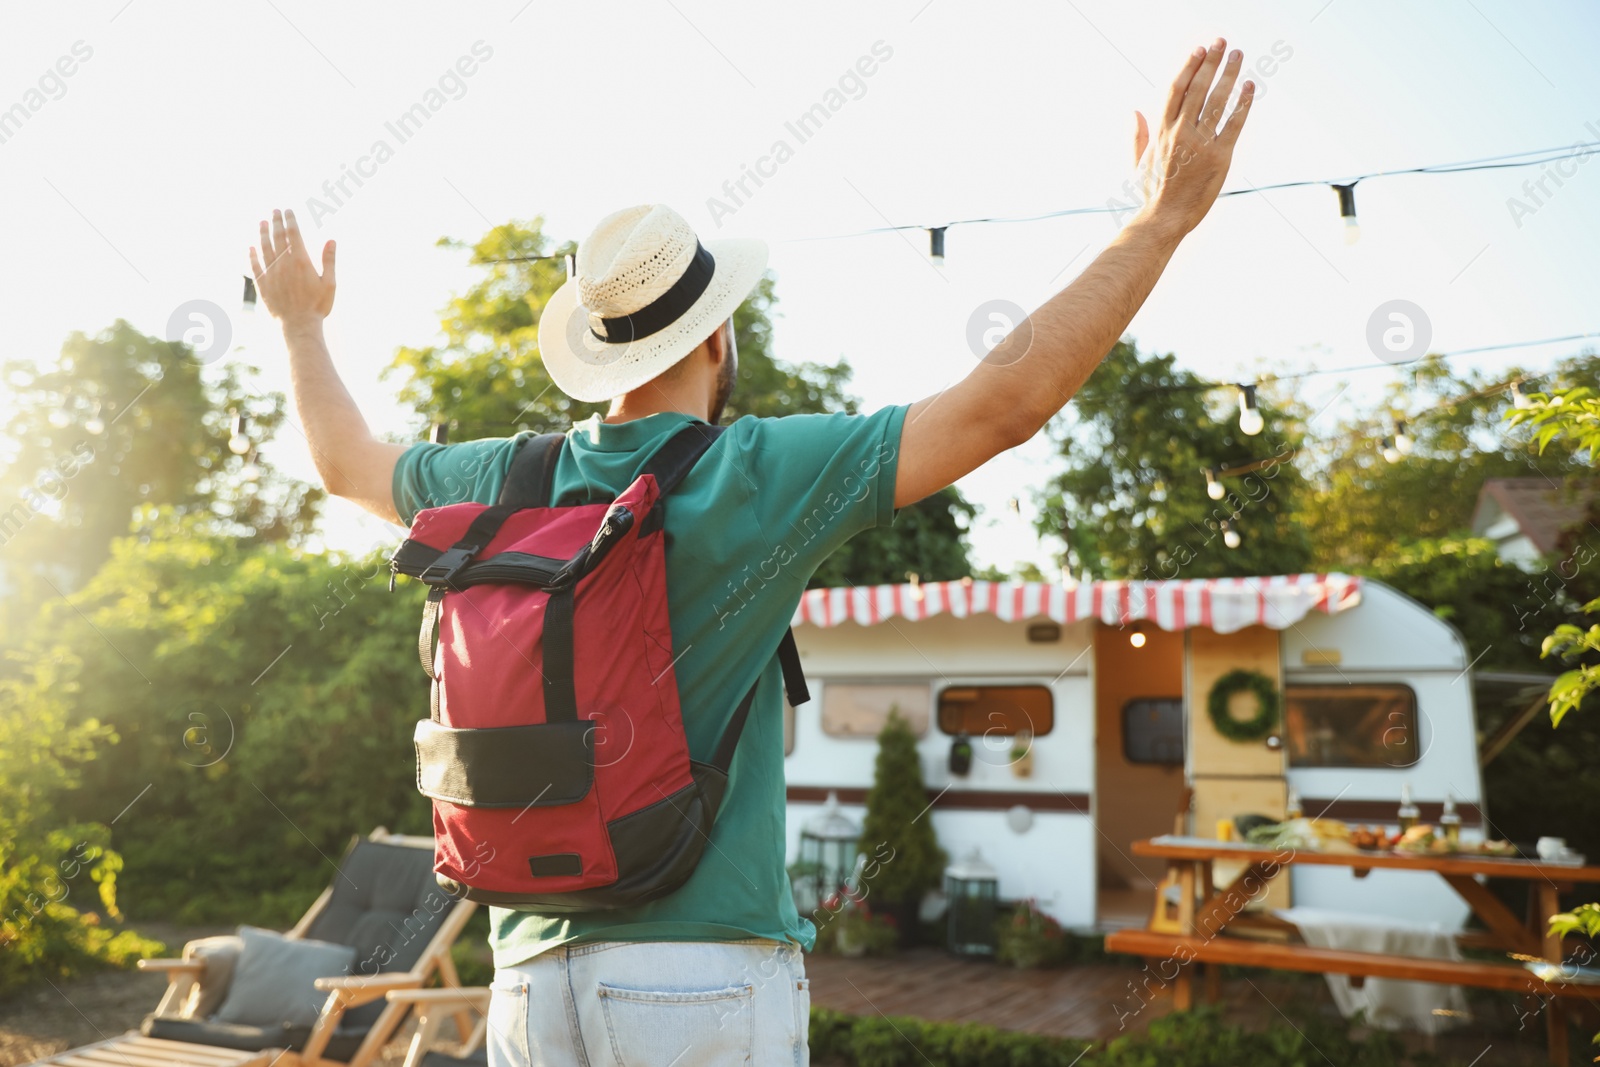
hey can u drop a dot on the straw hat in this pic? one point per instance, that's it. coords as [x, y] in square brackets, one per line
[647, 292]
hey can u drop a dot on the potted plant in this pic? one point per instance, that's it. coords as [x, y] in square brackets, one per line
[862, 932]
[1030, 938]
[1022, 754]
[903, 858]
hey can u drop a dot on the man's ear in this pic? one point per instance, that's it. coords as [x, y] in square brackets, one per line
[717, 346]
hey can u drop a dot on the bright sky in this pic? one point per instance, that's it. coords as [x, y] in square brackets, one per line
[136, 182]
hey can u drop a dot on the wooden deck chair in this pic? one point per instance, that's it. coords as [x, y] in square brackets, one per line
[383, 902]
[432, 1007]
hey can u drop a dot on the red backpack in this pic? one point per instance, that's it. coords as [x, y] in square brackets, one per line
[555, 755]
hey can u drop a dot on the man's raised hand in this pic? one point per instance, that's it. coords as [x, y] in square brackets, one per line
[285, 276]
[1183, 168]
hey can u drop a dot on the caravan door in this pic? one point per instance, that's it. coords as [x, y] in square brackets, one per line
[1228, 777]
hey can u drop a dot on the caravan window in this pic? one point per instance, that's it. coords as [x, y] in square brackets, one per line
[1152, 731]
[1334, 725]
[1003, 710]
[860, 709]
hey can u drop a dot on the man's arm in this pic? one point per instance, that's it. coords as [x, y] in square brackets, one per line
[1031, 375]
[353, 463]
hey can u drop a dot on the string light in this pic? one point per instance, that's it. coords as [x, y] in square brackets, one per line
[439, 433]
[250, 471]
[1207, 387]
[1230, 536]
[1250, 420]
[1137, 637]
[1214, 488]
[1402, 440]
[238, 443]
[249, 293]
[1390, 452]
[1344, 187]
[94, 423]
[1519, 400]
[1347, 212]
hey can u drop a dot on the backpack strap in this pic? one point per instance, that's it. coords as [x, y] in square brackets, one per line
[533, 471]
[794, 683]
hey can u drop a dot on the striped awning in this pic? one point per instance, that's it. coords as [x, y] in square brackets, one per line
[1220, 604]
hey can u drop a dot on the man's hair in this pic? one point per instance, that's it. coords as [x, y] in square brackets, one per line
[676, 371]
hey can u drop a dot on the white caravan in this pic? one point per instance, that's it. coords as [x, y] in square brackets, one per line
[1112, 679]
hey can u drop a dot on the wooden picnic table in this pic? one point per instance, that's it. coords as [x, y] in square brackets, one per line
[1206, 910]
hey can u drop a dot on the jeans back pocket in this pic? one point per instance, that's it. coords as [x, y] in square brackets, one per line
[648, 1028]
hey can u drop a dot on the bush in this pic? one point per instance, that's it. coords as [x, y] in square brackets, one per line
[58, 877]
[267, 694]
[1030, 938]
[901, 1041]
[1186, 1039]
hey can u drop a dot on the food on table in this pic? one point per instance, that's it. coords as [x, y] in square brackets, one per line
[1317, 835]
[1369, 838]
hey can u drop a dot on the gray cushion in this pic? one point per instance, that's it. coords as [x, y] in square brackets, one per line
[273, 982]
[219, 954]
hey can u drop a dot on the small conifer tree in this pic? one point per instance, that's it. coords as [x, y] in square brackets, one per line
[903, 856]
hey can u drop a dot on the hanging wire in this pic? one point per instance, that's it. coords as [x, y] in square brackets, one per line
[1206, 387]
[1583, 150]
[1510, 159]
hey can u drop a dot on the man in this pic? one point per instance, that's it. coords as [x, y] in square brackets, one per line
[711, 973]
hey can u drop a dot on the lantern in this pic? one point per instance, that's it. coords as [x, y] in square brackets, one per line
[973, 889]
[827, 854]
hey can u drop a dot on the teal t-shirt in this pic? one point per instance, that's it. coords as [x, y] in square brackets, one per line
[746, 529]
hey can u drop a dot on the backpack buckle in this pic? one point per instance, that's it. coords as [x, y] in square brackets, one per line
[441, 570]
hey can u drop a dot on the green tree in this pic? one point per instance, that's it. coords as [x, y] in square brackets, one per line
[1132, 500]
[119, 423]
[1494, 604]
[261, 712]
[1574, 416]
[903, 853]
[486, 379]
[1364, 505]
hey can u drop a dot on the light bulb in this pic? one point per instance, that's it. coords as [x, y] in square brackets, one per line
[95, 425]
[1518, 399]
[59, 419]
[1390, 452]
[1347, 211]
[1214, 488]
[250, 471]
[1250, 420]
[1402, 440]
[1230, 536]
[238, 444]
[1136, 639]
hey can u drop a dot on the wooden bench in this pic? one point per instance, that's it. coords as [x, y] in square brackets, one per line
[1284, 957]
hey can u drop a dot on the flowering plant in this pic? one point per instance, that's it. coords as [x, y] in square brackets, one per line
[1030, 938]
[859, 931]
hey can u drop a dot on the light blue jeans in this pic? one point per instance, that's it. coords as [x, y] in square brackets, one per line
[653, 1004]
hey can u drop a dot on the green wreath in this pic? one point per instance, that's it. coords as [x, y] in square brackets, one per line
[1257, 728]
